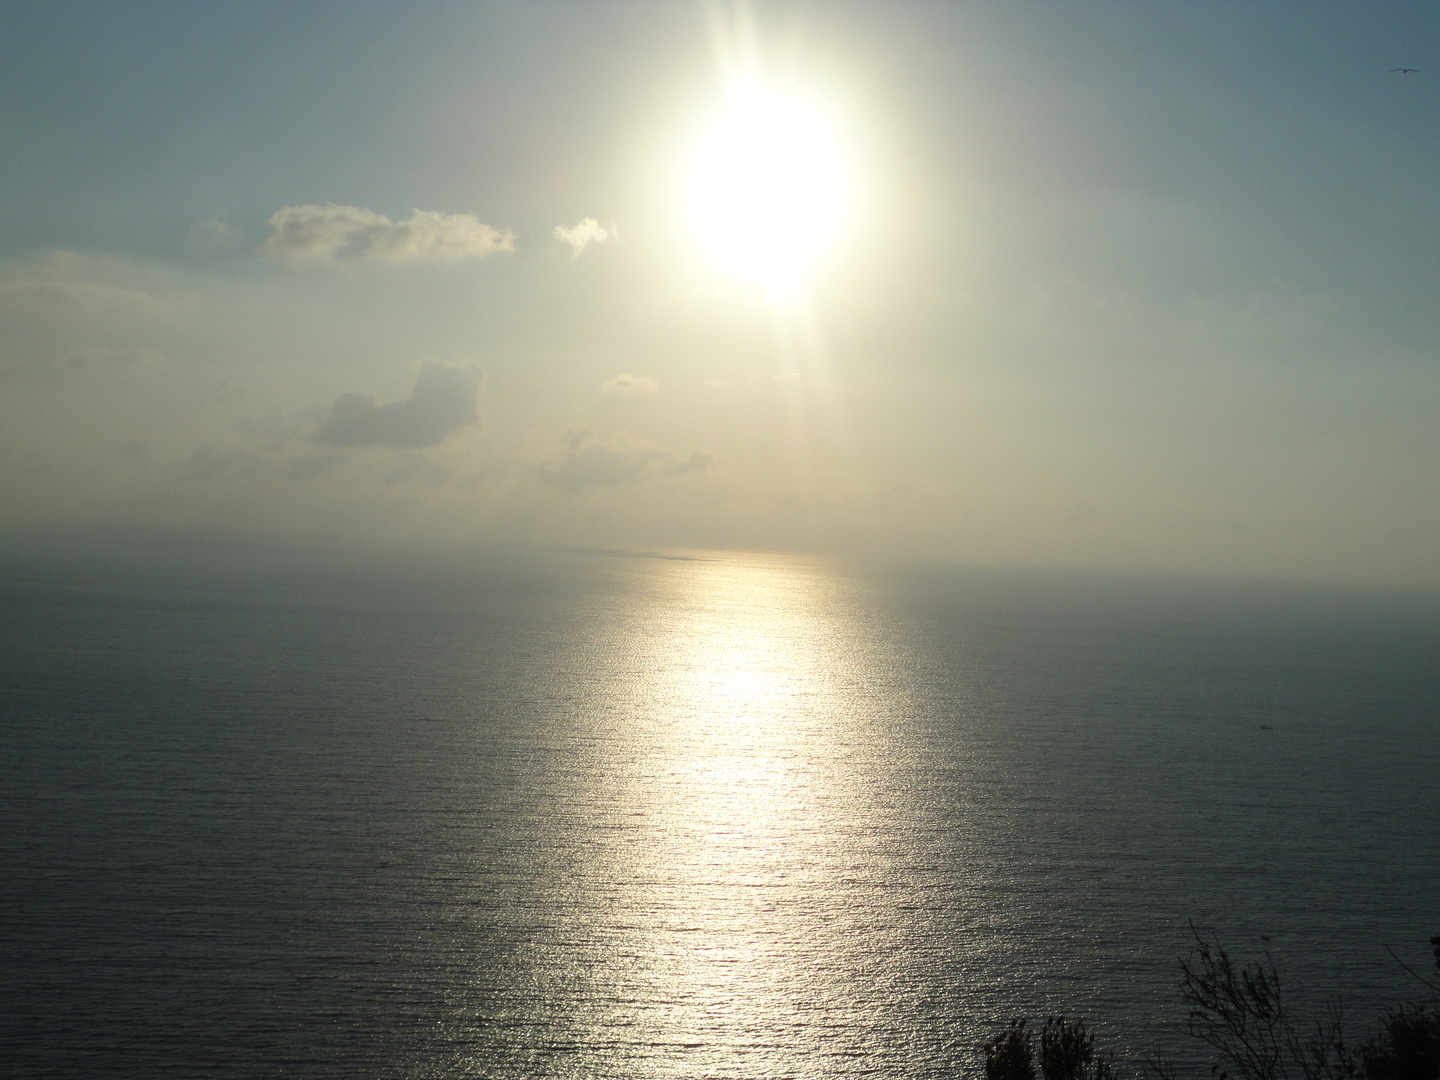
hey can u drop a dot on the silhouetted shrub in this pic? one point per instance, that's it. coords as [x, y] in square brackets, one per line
[1067, 1052]
[1008, 1056]
[1240, 1013]
[1407, 1046]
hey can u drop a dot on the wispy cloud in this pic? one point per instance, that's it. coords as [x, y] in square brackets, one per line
[442, 403]
[324, 232]
[214, 235]
[583, 233]
[207, 463]
[627, 385]
[588, 461]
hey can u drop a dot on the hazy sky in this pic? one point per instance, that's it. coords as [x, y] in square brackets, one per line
[1146, 284]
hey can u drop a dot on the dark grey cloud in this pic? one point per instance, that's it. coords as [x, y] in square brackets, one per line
[442, 403]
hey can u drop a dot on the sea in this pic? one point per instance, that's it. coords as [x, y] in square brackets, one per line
[304, 811]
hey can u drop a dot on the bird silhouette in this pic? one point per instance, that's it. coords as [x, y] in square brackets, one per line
[1405, 71]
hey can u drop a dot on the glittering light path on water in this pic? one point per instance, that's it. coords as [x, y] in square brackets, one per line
[750, 899]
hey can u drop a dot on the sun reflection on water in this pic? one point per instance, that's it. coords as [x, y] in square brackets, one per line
[746, 883]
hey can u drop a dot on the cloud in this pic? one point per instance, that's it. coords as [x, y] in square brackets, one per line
[587, 461]
[98, 356]
[584, 233]
[627, 385]
[443, 402]
[428, 234]
[429, 473]
[323, 232]
[696, 462]
[317, 232]
[214, 235]
[207, 463]
[313, 465]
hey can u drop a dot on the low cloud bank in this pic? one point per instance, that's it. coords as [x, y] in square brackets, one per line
[442, 403]
[587, 461]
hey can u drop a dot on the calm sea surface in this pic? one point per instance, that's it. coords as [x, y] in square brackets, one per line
[580, 815]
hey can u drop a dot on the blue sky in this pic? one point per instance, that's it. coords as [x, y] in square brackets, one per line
[1126, 284]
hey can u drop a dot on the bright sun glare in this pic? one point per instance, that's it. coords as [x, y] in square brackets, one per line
[767, 187]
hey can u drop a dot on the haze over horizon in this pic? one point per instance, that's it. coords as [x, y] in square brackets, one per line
[1124, 285]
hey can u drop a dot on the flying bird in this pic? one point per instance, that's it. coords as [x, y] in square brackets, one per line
[1405, 71]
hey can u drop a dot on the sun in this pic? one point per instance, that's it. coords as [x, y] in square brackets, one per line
[767, 186]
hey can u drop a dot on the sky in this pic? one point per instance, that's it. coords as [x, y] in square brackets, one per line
[1130, 285]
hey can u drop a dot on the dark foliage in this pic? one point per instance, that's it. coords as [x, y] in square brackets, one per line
[1240, 1013]
[1407, 1047]
[1009, 1056]
[1067, 1052]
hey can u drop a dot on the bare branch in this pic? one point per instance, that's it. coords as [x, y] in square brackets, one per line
[1412, 971]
